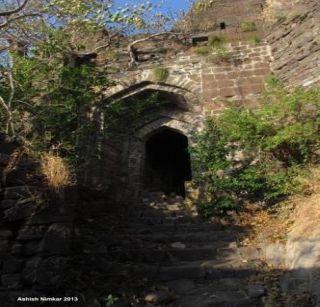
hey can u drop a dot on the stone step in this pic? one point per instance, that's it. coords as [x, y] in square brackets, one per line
[217, 299]
[168, 255]
[153, 220]
[188, 237]
[164, 228]
[198, 270]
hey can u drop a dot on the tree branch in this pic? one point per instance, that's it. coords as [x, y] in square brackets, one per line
[14, 11]
[7, 22]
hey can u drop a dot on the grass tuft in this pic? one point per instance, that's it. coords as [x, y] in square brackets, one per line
[55, 170]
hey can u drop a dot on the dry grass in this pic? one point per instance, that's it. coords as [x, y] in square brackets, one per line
[55, 170]
[272, 225]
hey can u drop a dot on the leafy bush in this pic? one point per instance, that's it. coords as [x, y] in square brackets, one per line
[258, 154]
[248, 26]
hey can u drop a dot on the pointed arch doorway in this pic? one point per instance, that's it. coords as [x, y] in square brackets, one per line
[167, 162]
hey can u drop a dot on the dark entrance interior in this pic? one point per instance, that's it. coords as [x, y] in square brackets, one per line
[167, 162]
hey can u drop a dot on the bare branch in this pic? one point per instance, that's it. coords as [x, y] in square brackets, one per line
[7, 22]
[14, 11]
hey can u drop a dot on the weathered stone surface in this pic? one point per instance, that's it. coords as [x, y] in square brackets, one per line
[4, 245]
[12, 266]
[29, 273]
[181, 286]
[6, 234]
[57, 239]
[256, 291]
[31, 233]
[19, 212]
[274, 254]
[295, 46]
[8, 203]
[11, 281]
[17, 192]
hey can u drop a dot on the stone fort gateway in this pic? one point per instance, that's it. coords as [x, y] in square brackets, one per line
[125, 234]
[197, 83]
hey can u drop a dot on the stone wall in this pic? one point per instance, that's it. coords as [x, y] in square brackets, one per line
[295, 45]
[35, 242]
[35, 228]
[239, 77]
[202, 19]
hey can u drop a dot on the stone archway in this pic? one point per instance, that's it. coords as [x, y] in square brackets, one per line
[184, 116]
[184, 125]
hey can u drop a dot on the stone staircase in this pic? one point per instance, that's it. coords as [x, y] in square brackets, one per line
[157, 254]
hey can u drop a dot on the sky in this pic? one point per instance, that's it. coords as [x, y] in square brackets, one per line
[172, 5]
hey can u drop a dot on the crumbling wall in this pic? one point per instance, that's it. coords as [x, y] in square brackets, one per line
[35, 230]
[295, 45]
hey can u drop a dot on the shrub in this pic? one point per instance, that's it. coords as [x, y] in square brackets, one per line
[216, 49]
[258, 154]
[255, 40]
[160, 74]
[55, 170]
[248, 26]
[216, 42]
[203, 50]
[220, 55]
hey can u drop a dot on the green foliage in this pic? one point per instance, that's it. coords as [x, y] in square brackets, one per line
[255, 40]
[248, 26]
[258, 154]
[203, 50]
[216, 49]
[217, 42]
[111, 300]
[281, 18]
[56, 95]
[160, 74]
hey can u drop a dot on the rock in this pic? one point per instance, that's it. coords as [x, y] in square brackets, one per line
[274, 254]
[29, 274]
[178, 245]
[159, 297]
[31, 233]
[26, 249]
[51, 272]
[181, 286]
[145, 231]
[12, 266]
[256, 290]
[19, 212]
[57, 239]
[16, 249]
[4, 244]
[11, 281]
[249, 252]
[8, 203]
[17, 192]
[6, 234]
[173, 208]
